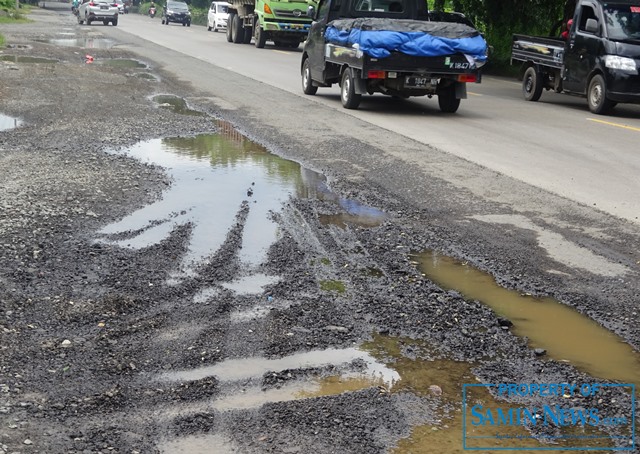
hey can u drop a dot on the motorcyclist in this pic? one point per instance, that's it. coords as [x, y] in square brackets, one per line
[152, 9]
[74, 5]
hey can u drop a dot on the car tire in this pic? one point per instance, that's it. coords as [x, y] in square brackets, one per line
[307, 84]
[87, 20]
[80, 21]
[447, 100]
[237, 32]
[208, 27]
[260, 36]
[229, 27]
[114, 22]
[597, 96]
[248, 34]
[532, 84]
[350, 99]
[184, 24]
[189, 24]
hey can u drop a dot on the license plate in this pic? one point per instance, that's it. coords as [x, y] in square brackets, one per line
[104, 7]
[416, 81]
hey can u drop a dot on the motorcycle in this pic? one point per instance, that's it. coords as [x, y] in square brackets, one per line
[152, 12]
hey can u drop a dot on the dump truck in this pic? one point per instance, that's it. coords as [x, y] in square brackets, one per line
[283, 22]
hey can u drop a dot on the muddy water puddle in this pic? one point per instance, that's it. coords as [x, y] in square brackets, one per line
[216, 180]
[566, 334]
[7, 122]
[424, 374]
[176, 104]
[246, 368]
[26, 59]
[122, 63]
[86, 42]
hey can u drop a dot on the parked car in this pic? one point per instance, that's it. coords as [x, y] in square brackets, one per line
[176, 12]
[217, 16]
[98, 10]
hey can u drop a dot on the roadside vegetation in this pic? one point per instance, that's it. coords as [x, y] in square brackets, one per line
[499, 20]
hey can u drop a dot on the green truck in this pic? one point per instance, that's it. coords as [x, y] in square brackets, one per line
[283, 22]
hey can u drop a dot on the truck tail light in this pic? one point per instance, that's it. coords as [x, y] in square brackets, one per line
[267, 9]
[376, 74]
[467, 78]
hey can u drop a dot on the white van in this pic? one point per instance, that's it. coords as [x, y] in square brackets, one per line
[217, 16]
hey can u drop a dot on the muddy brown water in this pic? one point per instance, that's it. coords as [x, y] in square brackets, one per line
[565, 333]
[215, 177]
[7, 122]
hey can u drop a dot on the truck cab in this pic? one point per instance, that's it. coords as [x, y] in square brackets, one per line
[599, 60]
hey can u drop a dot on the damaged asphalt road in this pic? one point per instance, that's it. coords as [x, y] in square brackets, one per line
[333, 341]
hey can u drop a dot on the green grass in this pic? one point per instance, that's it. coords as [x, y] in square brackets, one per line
[332, 286]
[1, 40]
[14, 19]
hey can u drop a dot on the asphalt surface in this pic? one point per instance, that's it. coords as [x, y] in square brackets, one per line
[104, 351]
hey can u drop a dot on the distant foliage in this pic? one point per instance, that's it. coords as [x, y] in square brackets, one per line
[7, 5]
[500, 19]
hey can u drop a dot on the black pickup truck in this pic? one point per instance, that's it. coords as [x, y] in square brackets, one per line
[598, 56]
[394, 47]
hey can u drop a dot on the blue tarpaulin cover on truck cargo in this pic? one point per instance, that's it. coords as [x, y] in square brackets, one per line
[378, 37]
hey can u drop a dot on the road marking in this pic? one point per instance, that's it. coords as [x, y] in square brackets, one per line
[282, 52]
[474, 94]
[617, 125]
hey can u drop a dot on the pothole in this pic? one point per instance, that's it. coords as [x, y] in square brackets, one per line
[86, 42]
[26, 59]
[176, 104]
[122, 63]
[563, 332]
[147, 76]
[218, 181]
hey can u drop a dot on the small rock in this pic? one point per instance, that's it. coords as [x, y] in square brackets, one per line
[539, 351]
[339, 329]
[66, 343]
[27, 442]
[504, 322]
[435, 390]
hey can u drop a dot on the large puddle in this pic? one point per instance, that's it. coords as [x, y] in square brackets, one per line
[391, 364]
[566, 334]
[424, 375]
[7, 122]
[217, 179]
[26, 59]
[86, 42]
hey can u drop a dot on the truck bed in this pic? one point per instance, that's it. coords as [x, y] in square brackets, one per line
[450, 64]
[537, 49]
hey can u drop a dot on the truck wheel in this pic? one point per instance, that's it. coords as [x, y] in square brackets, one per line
[261, 37]
[597, 96]
[447, 99]
[350, 99]
[229, 26]
[237, 30]
[532, 84]
[307, 85]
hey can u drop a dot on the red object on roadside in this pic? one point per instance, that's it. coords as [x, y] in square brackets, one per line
[88, 58]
